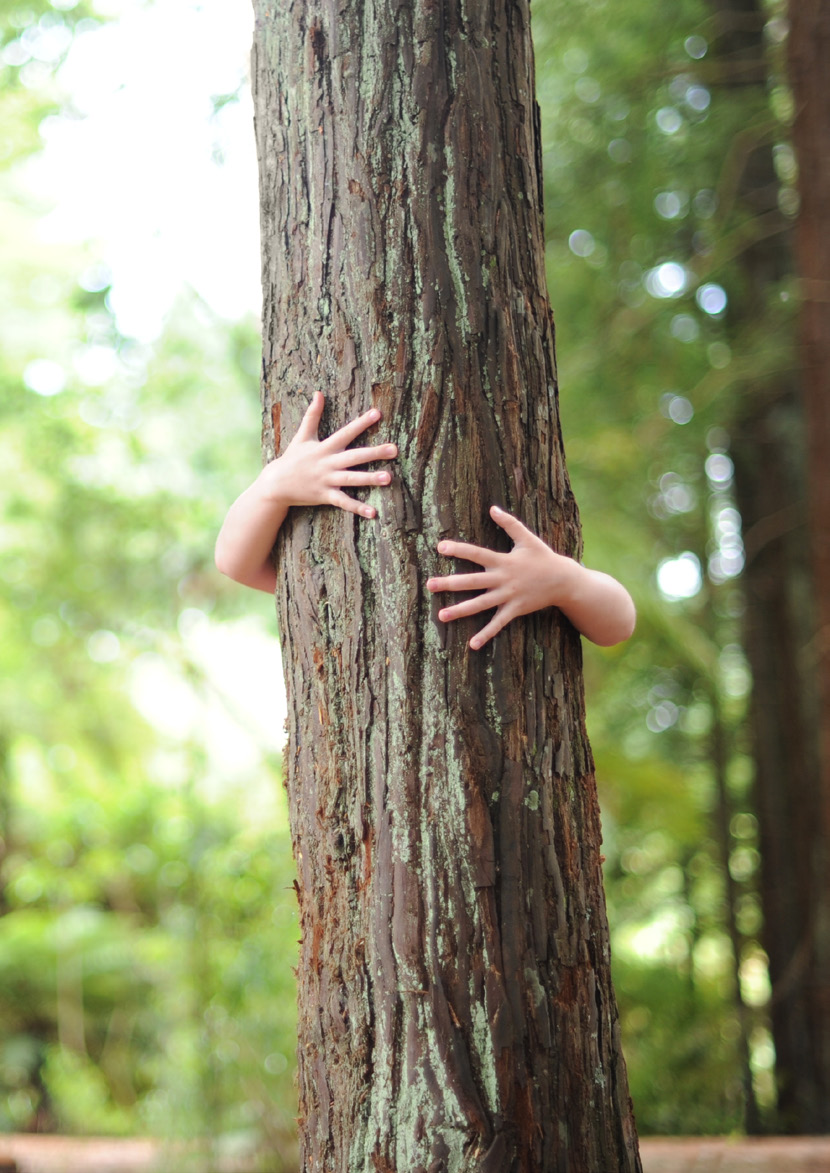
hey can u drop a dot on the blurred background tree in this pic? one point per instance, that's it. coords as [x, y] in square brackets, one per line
[147, 924]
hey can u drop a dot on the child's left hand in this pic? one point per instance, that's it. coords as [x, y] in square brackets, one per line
[530, 577]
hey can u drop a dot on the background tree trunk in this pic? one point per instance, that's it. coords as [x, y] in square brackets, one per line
[809, 47]
[455, 1002]
[767, 445]
[768, 441]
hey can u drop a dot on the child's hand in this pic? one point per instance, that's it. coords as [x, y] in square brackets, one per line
[515, 584]
[530, 577]
[309, 472]
[314, 472]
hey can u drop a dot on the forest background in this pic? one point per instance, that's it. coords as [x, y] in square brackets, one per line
[147, 912]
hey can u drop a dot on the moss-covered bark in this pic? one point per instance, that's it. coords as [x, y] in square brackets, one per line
[456, 1009]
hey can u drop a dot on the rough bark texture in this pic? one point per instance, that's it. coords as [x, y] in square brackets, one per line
[456, 1008]
[809, 49]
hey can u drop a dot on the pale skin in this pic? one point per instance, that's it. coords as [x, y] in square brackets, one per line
[529, 578]
[310, 472]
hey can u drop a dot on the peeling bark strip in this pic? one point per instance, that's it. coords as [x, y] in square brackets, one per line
[456, 1009]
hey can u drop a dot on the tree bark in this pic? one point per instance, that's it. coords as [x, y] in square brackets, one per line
[809, 46]
[455, 1002]
[767, 447]
[771, 484]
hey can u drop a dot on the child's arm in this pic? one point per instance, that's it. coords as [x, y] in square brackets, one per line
[309, 472]
[533, 576]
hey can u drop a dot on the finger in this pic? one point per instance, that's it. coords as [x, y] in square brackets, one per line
[344, 501]
[461, 582]
[511, 525]
[311, 420]
[501, 619]
[352, 456]
[485, 602]
[353, 480]
[479, 554]
[344, 436]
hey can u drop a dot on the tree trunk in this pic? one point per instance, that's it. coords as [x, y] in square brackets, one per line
[767, 445]
[809, 48]
[768, 438]
[455, 1002]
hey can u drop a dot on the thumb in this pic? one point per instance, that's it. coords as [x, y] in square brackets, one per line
[511, 525]
[311, 420]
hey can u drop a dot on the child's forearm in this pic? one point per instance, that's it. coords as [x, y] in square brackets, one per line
[243, 548]
[598, 606]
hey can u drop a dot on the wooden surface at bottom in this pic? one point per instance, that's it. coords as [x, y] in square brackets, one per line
[60, 1154]
[801, 1154]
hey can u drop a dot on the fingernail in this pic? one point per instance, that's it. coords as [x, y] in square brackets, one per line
[384, 478]
[429, 584]
[495, 509]
[368, 513]
[442, 615]
[475, 644]
[374, 414]
[442, 546]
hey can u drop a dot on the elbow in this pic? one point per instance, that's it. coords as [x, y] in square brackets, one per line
[229, 563]
[628, 630]
[626, 624]
[223, 562]
[621, 629]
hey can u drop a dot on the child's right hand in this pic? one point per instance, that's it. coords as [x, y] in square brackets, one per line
[309, 472]
[315, 472]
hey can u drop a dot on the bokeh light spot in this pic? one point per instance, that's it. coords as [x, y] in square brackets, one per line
[581, 243]
[697, 98]
[666, 280]
[696, 47]
[668, 119]
[712, 299]
[44, 376]
[680, 577]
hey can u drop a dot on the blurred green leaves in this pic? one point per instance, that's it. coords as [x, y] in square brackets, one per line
[148, 924]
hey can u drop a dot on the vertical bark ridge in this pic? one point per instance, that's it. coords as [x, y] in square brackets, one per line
[456, 1011]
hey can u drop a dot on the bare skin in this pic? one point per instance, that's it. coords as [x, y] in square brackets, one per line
[315, 472]
[309, 472]
[533, 576]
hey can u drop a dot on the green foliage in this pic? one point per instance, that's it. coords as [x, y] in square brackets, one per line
[148, 926]
[146, 939]
[685, 1034]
